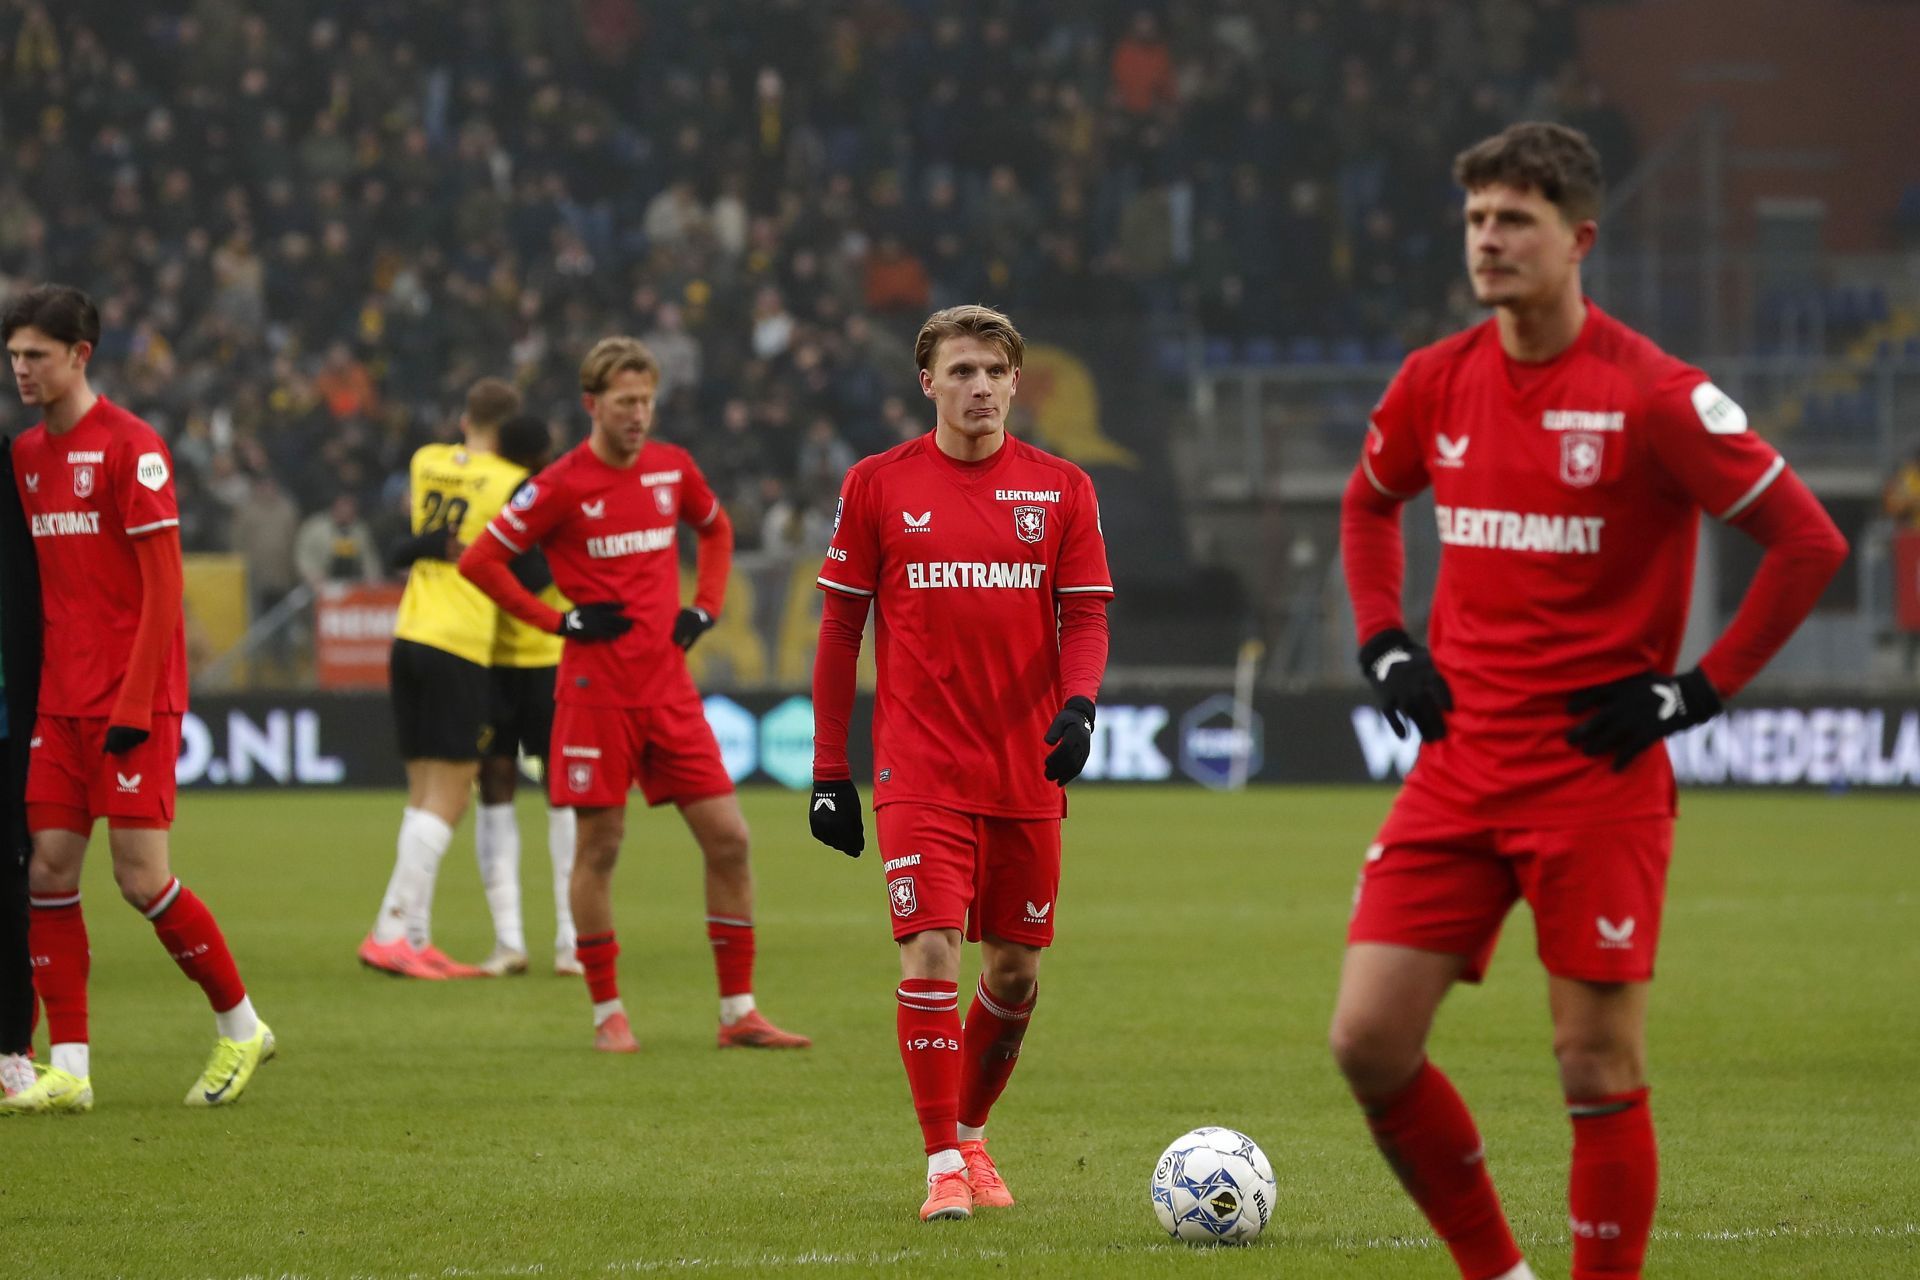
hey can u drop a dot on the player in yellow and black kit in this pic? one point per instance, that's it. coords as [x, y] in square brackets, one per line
[525, 661]
[442, 653]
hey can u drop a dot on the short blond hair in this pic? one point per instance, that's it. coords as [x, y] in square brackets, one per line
[970, 321]
[612, 357]
[490, 402]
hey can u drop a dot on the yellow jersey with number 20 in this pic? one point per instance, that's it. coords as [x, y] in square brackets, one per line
[454, 488]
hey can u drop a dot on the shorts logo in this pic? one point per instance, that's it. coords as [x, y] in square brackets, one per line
[1615, 937]
[900, 893]
[1580, 454]
[579, 776]
[1376, 851]
[663, 498]
[1039, 914]
[128, 786]
[83, 482]
[1030, 523]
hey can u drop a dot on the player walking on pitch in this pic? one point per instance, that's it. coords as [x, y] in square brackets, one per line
[1570, 459]
[984, 561]
[626, 713]
[442, 647]
[97, 485]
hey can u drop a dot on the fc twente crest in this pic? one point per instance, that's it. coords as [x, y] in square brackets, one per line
[1580, 455]
[1030, 523]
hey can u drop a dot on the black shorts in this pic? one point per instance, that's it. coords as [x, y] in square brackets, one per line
[439, 703]
[522, 711]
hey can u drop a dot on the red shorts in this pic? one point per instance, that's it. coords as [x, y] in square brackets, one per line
[1596, 892]
[601, 753]
[71, 780]
[952, 870]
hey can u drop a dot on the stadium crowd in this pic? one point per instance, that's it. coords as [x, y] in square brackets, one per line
[311, 226]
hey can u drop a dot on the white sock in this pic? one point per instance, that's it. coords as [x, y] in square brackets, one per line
[1520, 1271]
[423, 843]
[947, 1161]
[391, 924]
[604, 1009]
[239, 1022]
[970, 1134]
[734, 1008]
[562, 833]
[72, 1058]
[496, 842]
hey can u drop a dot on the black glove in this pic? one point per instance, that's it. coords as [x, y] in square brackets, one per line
[833, 814]
[1069, 735]
[123, 738]
[690, 626]
[1631, 715]
[593, 622]
[1406, 684]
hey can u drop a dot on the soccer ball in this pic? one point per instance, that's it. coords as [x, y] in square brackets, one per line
[1213, 1186]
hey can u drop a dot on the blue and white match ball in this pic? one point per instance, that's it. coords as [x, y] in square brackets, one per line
[1213, 1186]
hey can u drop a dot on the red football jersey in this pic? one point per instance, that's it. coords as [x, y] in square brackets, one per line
[88, 493]
[1568, 499]
[965, 563]
[609, 535]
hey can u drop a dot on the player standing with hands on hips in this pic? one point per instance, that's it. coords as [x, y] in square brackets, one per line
[1570, 459]
[626, 713]
[97, 485]
[984, 561]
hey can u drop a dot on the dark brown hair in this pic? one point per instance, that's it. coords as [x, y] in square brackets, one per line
[970, 321]
[1558, 162]
[490, 402]
[60, 311]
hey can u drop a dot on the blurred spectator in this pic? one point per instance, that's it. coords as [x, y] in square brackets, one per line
[313, 229]
[1901, 499]
[336, 545]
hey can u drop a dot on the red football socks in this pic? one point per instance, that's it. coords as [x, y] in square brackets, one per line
[597, 953]
[57, 939]
[929, 1025]
[732, 955]
[1428, 1136]
[188, 932]
[990, 1049]
[1613, 1185]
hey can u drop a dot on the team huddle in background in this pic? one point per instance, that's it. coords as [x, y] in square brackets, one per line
[1570, 460]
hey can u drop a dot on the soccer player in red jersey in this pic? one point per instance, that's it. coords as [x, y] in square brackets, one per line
[626, 714]
[97, 484]
[1570, 459]
[983, 559]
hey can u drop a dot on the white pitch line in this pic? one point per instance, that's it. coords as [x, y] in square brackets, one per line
[899, 1257]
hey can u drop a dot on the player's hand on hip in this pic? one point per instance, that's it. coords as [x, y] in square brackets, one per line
[594, 622]
[1622, 718]
[833, 814]
[1406, 684]
[1070, 735]
[692, 623]
[122, 738]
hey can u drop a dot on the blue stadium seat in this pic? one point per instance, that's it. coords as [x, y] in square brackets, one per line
[1218, 352]
[1349, 351]
[1388, 349]
[1170, 356]
[1306, 351]
[1261, 351]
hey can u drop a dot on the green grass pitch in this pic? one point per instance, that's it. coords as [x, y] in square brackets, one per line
[435, 1130]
